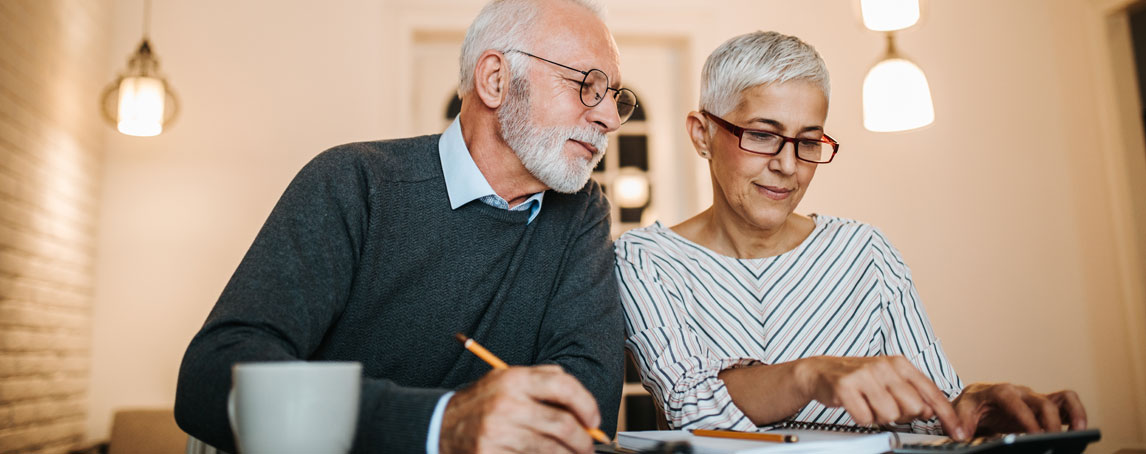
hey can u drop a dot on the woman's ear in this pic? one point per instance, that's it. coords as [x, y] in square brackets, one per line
[697, 127]
[491, 78]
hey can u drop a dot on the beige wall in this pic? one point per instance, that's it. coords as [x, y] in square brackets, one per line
[265, 86]
[53, 58]
[1003, 208]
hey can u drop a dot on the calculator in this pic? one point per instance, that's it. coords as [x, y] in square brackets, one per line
[1070, 442]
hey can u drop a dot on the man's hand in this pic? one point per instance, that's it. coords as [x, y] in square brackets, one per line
[988, 408]
[879, 390]
[520, 409]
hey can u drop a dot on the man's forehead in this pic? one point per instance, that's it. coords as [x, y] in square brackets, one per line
[609, 62]
[589, 46]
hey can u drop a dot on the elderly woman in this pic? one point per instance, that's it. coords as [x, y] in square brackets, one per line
[749, 313]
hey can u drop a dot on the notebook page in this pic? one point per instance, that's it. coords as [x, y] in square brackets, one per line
[810, 442]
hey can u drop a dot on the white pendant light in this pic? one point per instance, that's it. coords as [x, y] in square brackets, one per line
[141, 106]
[140, 102]
[896, 96]
[632, 188]
[889, 15]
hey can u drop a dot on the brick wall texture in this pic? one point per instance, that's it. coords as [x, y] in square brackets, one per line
[53, 66]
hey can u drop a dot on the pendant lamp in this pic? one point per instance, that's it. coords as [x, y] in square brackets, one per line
[140, 102]
[896, 96]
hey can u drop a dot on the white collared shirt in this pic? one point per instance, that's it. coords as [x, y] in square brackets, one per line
[465, 182]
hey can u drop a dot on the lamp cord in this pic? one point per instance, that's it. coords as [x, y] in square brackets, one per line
[146, 18]
[892, 51]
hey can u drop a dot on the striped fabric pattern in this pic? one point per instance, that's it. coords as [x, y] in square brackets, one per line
[691, 313]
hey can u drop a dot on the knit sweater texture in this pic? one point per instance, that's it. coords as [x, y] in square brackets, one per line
[362, 259]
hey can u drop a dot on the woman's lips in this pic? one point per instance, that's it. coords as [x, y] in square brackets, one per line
[774, 192]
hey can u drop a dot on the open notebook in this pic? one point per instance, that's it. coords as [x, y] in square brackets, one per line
[826, 438]
[809, 442]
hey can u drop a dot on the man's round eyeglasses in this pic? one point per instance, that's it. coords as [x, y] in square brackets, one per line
[595, 86]
[758, 141]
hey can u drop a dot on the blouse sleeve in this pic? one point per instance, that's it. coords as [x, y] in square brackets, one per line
[906, 330]
[676, 367]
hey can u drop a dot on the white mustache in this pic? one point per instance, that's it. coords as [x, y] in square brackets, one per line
[590, 136]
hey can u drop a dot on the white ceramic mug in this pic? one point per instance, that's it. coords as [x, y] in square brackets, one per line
[294, 406]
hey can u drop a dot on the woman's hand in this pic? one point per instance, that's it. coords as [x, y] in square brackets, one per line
[988, 408]
[878, 390]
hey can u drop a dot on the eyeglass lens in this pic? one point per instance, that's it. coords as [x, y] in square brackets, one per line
[767, 143]
[596, 86]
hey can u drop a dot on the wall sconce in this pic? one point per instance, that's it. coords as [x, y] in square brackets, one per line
[896, 96]
[631, 188]
[140, 102]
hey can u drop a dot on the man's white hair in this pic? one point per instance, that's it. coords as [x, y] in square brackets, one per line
[754, 59]
[503, 25]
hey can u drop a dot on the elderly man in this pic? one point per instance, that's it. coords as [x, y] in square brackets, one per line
[379, 252]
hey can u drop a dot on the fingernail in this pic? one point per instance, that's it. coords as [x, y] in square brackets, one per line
[960, 434]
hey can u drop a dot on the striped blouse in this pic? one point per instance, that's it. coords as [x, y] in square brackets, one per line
[691, 313]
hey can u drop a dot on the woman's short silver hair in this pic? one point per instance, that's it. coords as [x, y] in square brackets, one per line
[503, 25]
[754, 59]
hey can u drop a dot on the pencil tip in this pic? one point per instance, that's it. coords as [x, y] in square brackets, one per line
[461, 337]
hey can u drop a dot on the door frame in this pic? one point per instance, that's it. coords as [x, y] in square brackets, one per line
[1122, 147]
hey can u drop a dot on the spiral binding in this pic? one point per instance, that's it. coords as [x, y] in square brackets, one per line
[803, 425]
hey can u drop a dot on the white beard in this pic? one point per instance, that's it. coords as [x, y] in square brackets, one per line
[541, 149]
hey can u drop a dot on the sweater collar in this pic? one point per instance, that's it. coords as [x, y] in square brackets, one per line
[464, 181]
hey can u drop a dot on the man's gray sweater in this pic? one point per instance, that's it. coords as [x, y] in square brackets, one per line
[362, 259]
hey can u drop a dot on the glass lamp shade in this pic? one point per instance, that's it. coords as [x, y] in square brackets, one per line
[896, 97]
[889, 15]
[141, 103]
[632, 188]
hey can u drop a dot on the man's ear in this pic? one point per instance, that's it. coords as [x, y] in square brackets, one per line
[491, 78]
[697, 128]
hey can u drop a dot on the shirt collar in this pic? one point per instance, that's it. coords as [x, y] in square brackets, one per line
[464, 181]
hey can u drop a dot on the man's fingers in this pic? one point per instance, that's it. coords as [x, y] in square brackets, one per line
[508, 411]
[527, 441]
[1070, 408]
[561, 389]
[558, 426]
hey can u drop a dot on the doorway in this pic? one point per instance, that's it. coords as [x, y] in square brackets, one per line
[1136, 15]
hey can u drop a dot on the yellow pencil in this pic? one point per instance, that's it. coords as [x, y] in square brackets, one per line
[759, 436]
[497, 363]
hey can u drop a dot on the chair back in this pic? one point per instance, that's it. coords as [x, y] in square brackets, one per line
[146, 431]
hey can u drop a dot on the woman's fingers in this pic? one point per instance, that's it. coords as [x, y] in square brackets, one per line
[1070, 408]
[885, 390]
